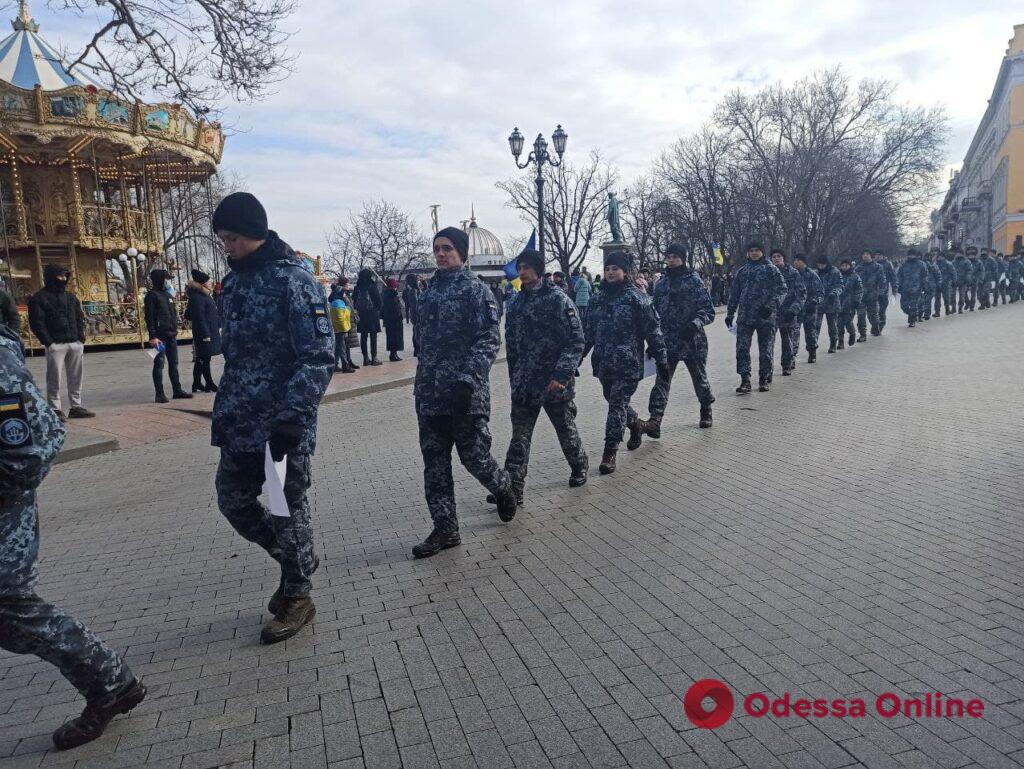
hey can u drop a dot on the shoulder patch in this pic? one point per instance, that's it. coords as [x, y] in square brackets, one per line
[14, 429]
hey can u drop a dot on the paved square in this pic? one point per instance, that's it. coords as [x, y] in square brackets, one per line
[855, 531]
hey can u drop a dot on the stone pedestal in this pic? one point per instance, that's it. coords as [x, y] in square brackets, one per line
[607, 248]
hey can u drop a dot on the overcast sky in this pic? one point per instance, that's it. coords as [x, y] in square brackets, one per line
[413, 102]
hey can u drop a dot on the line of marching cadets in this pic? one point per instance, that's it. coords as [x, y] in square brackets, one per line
[278, 346]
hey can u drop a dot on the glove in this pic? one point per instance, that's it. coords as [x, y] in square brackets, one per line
[728, 321]
[284, 439]
[691, 328]
[462, 397]
[765, 312]
[663, 371]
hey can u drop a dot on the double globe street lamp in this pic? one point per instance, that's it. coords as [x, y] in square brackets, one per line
[539, 156]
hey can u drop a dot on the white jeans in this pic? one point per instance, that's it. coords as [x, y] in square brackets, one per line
[61, 357]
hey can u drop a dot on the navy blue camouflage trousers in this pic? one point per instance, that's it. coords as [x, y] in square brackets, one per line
[765, 348]
[620, 414]
[470, 435]
[524, 419]
[30, 625]
[696, 365]
[289, 541]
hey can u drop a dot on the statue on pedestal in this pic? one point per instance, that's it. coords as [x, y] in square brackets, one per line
[613, 218]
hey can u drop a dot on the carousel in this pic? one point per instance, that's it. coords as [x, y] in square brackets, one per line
[87, 181]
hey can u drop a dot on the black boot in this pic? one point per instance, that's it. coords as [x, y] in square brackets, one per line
[705, 416]
[862, 338]
[292, 615]
[435, 542]
[394, 357]
[841, 345]
[160, 397]
[636, 435]
[832, 347]
[211, 388]
[518, 490]
[578, 477]
[94, 719]
[853, 339]
[762, 385]
[607, 466]
[181, 395]
[744, 387]
[812, 356]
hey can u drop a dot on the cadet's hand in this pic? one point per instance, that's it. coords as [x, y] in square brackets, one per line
[284, 439]
[554, 386]
[728, 321]
[462, 397]
[663, 372]
[154, 342]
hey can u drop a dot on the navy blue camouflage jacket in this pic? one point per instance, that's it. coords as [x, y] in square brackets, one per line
[544, 341]
[977, 269]
[684, 308]
[964, 270]
[947, 270]
[796, 296]
[890, 279]
[278, 347]
[914, 277]
[458, 336]
[872, 275]
[991, 268]
[832, 286]
[853, 291]
[620, 319]
[815, 291]
[757, 293]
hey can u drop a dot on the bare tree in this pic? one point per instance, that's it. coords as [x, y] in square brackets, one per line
[647, 220]
[382, 237]
[574, 206]
[196, 52]
[186, 213]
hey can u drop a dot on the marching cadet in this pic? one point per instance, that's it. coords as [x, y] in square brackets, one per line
[914, 281]
[684, 308]
[789, 311]
[883, 290]
[963, 280]
[757, 292]
[849, 300]
[832, 288]
[1015, 275]
[809, 317]
[1002, 284]
[934, 280]
[278, 345]
[976, 279]
[945, 294]
[620, 320]
[991, 286]
[544, 343]
[458, 333]
[873, 276]
[31, 434]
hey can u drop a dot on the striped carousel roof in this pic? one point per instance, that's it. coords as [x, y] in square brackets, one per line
[26, 60]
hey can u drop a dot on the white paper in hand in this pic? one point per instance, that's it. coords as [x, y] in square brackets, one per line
[732, 329]
[650, 367]
[152, 352]
[273, 486]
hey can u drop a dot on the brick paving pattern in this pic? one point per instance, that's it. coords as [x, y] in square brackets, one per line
[857, 530]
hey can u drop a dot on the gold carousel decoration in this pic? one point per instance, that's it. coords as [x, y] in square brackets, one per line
[85, 178]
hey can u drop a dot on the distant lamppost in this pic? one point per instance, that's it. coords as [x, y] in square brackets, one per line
[539, 156]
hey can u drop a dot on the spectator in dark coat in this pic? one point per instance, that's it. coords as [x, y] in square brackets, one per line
[391, 314]
[162, 326]
[409, 296]
[367, 300]
[9, 312]
[202, 311]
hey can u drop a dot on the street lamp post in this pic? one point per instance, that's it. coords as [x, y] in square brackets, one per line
[539, 155]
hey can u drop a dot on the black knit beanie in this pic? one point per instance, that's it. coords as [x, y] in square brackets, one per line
[531, 258]
[200, 277]
[677, 249]
[159, 277]
[458, 238]
[243, 214]
[619, 259]
[823, 260]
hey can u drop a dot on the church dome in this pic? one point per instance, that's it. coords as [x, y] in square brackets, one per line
[484, 247]
[26, 60]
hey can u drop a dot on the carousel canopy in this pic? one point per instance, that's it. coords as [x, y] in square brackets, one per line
[26, 60]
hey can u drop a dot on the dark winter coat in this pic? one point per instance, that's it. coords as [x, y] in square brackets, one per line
[757, 293]
[796, 296]
[853, 291]
[394, 321]
[368, 303]
[161, 314]
[832, 288]
[202, 311]
[814, 290]
[620, 320]
[684, 309]
[9, 312]
[54, 313]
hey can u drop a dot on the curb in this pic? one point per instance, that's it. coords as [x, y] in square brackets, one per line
[91, 449]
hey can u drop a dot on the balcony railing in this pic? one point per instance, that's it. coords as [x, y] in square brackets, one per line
[109, 222]
[969, 206]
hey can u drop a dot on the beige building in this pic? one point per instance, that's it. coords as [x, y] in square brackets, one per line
[985, 202]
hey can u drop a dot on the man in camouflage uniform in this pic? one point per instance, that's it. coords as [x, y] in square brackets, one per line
[945, 294]
[914, 283]
[872, 276]
[963, 280]
[849, 300]
[990, 288]
[31, 434]
[934, 279]
[879, 257]
[620, 320]
[810, 318]
[459, 338]
[757, 294]
[789, 312]
[544, 343]
[832, 288]
[278, 346]
[684, 308]
[975, 279]
[1014, 276]
[1002, 284]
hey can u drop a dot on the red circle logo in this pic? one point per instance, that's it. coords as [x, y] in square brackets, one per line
[694, 707]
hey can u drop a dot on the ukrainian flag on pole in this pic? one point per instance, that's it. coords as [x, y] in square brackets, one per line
[716, 249]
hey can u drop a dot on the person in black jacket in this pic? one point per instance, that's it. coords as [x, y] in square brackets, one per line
[162, 325]
[202, 311]
[391, 314]
[368, 303]
[9, 312]
[55, 317]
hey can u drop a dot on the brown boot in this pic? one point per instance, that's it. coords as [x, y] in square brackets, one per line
[636, 435]
[652, 427]
[293, 615]
[607, 466]
[94, 719]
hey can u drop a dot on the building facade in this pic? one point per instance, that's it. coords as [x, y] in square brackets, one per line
[984, 206]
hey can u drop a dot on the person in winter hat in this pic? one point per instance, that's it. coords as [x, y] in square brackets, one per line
[202, 312]
[162, 325]
[392, 315]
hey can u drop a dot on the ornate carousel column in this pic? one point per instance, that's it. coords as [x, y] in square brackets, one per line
[20, 220]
